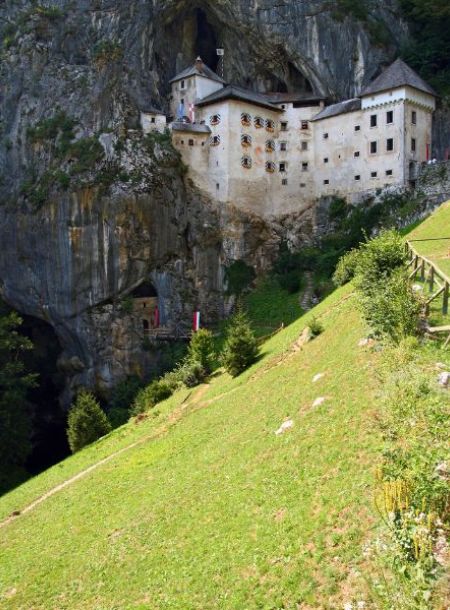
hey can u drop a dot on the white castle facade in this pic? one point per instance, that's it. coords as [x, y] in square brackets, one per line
[276, 153]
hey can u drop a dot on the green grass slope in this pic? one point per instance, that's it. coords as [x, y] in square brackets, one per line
[205, 507]
[434, 236]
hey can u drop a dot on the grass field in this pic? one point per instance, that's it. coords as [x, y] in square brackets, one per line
[213, 510]
[434, 234]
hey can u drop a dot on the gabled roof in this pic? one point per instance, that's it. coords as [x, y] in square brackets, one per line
[198, 69]
[396, 75]
[237, 93]
[340, 108]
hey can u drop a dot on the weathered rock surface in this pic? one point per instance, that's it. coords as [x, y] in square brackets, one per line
[79, 231]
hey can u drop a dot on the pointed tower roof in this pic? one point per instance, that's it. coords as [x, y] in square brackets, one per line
[397, 75]
[198, 69]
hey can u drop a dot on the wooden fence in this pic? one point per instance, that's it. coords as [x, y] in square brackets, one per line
[429, 272]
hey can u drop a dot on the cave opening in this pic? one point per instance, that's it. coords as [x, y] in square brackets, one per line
[206, 41]
[49, 419]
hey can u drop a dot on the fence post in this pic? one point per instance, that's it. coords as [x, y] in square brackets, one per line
[422, 271]
[445, 302]
[431, 278]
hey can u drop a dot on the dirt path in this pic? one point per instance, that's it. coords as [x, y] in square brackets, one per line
[172, 420]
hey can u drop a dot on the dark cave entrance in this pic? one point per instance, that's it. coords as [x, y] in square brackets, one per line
[49, 441]
[206, 41]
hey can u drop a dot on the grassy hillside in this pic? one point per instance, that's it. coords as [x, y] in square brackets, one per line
[434, 236]
[211, 509]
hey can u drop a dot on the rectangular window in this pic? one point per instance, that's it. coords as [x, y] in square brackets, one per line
[217, 186]
[283, 126]
[373, 148]
[183, 85]
[302, 185]
[325, 160]
[305, 166]
[325, 136]
[305, 125]
[414, 117]
[357, 127]
[284, 182]
[374, 174]
[356, 153]
[388, 172]
[282, 167]
[358, 177]
[373, 120]
[191, 142]
[304, 145]
[389, 117]
[283, 146]
[390, 144]
[326, 182]
[413, 144]
[153, 119]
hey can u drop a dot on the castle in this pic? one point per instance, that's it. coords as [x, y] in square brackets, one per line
[276, 153]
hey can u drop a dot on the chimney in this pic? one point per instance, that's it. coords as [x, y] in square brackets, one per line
[199, 65]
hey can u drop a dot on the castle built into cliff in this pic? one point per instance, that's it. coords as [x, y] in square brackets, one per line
[276, 153]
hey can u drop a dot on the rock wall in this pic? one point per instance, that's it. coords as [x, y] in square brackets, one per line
[81, 227]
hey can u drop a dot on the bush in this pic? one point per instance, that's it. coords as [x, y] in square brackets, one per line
[151, 395]
[316, 327]
[122, 398]
[191, 373]
[201, 349]
[290, 281]
[241, 348]
[379, 257]
[346, 268]
[239, 276]
[86, 422]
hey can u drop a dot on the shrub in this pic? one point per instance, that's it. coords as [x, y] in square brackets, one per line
[86, 422]
[290, 281]
[122, 399]
[191, 373]
[391, 308]
[379, 257]
[316, 327]
[151, 395]
[346, 268]
[241, 348]
[201, 349]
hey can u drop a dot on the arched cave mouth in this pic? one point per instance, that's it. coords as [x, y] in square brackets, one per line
[197, 31]
[49, 419]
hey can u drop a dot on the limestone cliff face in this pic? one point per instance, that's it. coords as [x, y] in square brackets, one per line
[88, 208]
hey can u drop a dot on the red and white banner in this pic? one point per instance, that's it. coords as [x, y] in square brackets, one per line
[196, 321]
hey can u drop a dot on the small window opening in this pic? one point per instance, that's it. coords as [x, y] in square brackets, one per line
[191, 142]
[283, 146]
[305, 166]
[389, 172]
[373, 120]
[325, 160]
[413, 144]
[325, 136]
[326, 182]
[390, 144]
[357, 153]
[414, 117]
[373, 148]
[305, 125]
[304, 145]
[357, 127]
[374, 174]
[283, 125]
[282, 166]
[357, 177]
[284, 181]
[389, 117]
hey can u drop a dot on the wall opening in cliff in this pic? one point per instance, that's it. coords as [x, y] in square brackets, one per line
[206, 40]
[146, 307]
[49, 440]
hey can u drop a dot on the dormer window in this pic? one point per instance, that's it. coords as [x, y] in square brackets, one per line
[246, 119]
[246, 140]
[214, 119]
[259, 122]
[270, 125]
[270, 167]
[270, 146]
[215, 141]
[246, 162]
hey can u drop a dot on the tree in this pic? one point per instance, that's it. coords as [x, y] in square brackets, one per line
[241, 348]
[15, 381]
[201, 349]
[86, 422]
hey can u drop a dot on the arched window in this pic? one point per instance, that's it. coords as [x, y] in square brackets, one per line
[215, 141]
[259, 122]
[214, 119]
[270, 167]
[270, 146]
[246, 119]
[246, 140]
[270, 125]
[246, 162]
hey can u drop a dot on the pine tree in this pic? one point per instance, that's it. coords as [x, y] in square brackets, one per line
[201, 349]
[86, 422]
[241, 348]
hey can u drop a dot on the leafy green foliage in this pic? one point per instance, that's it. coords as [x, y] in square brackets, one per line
[315, 326]
[122, 398]
[387, 301]
[87, 422]
[107, 51]
[201, 349]
[15, 382]
[238, 277]
[346, 268]
[151, 395]
[241, 348]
